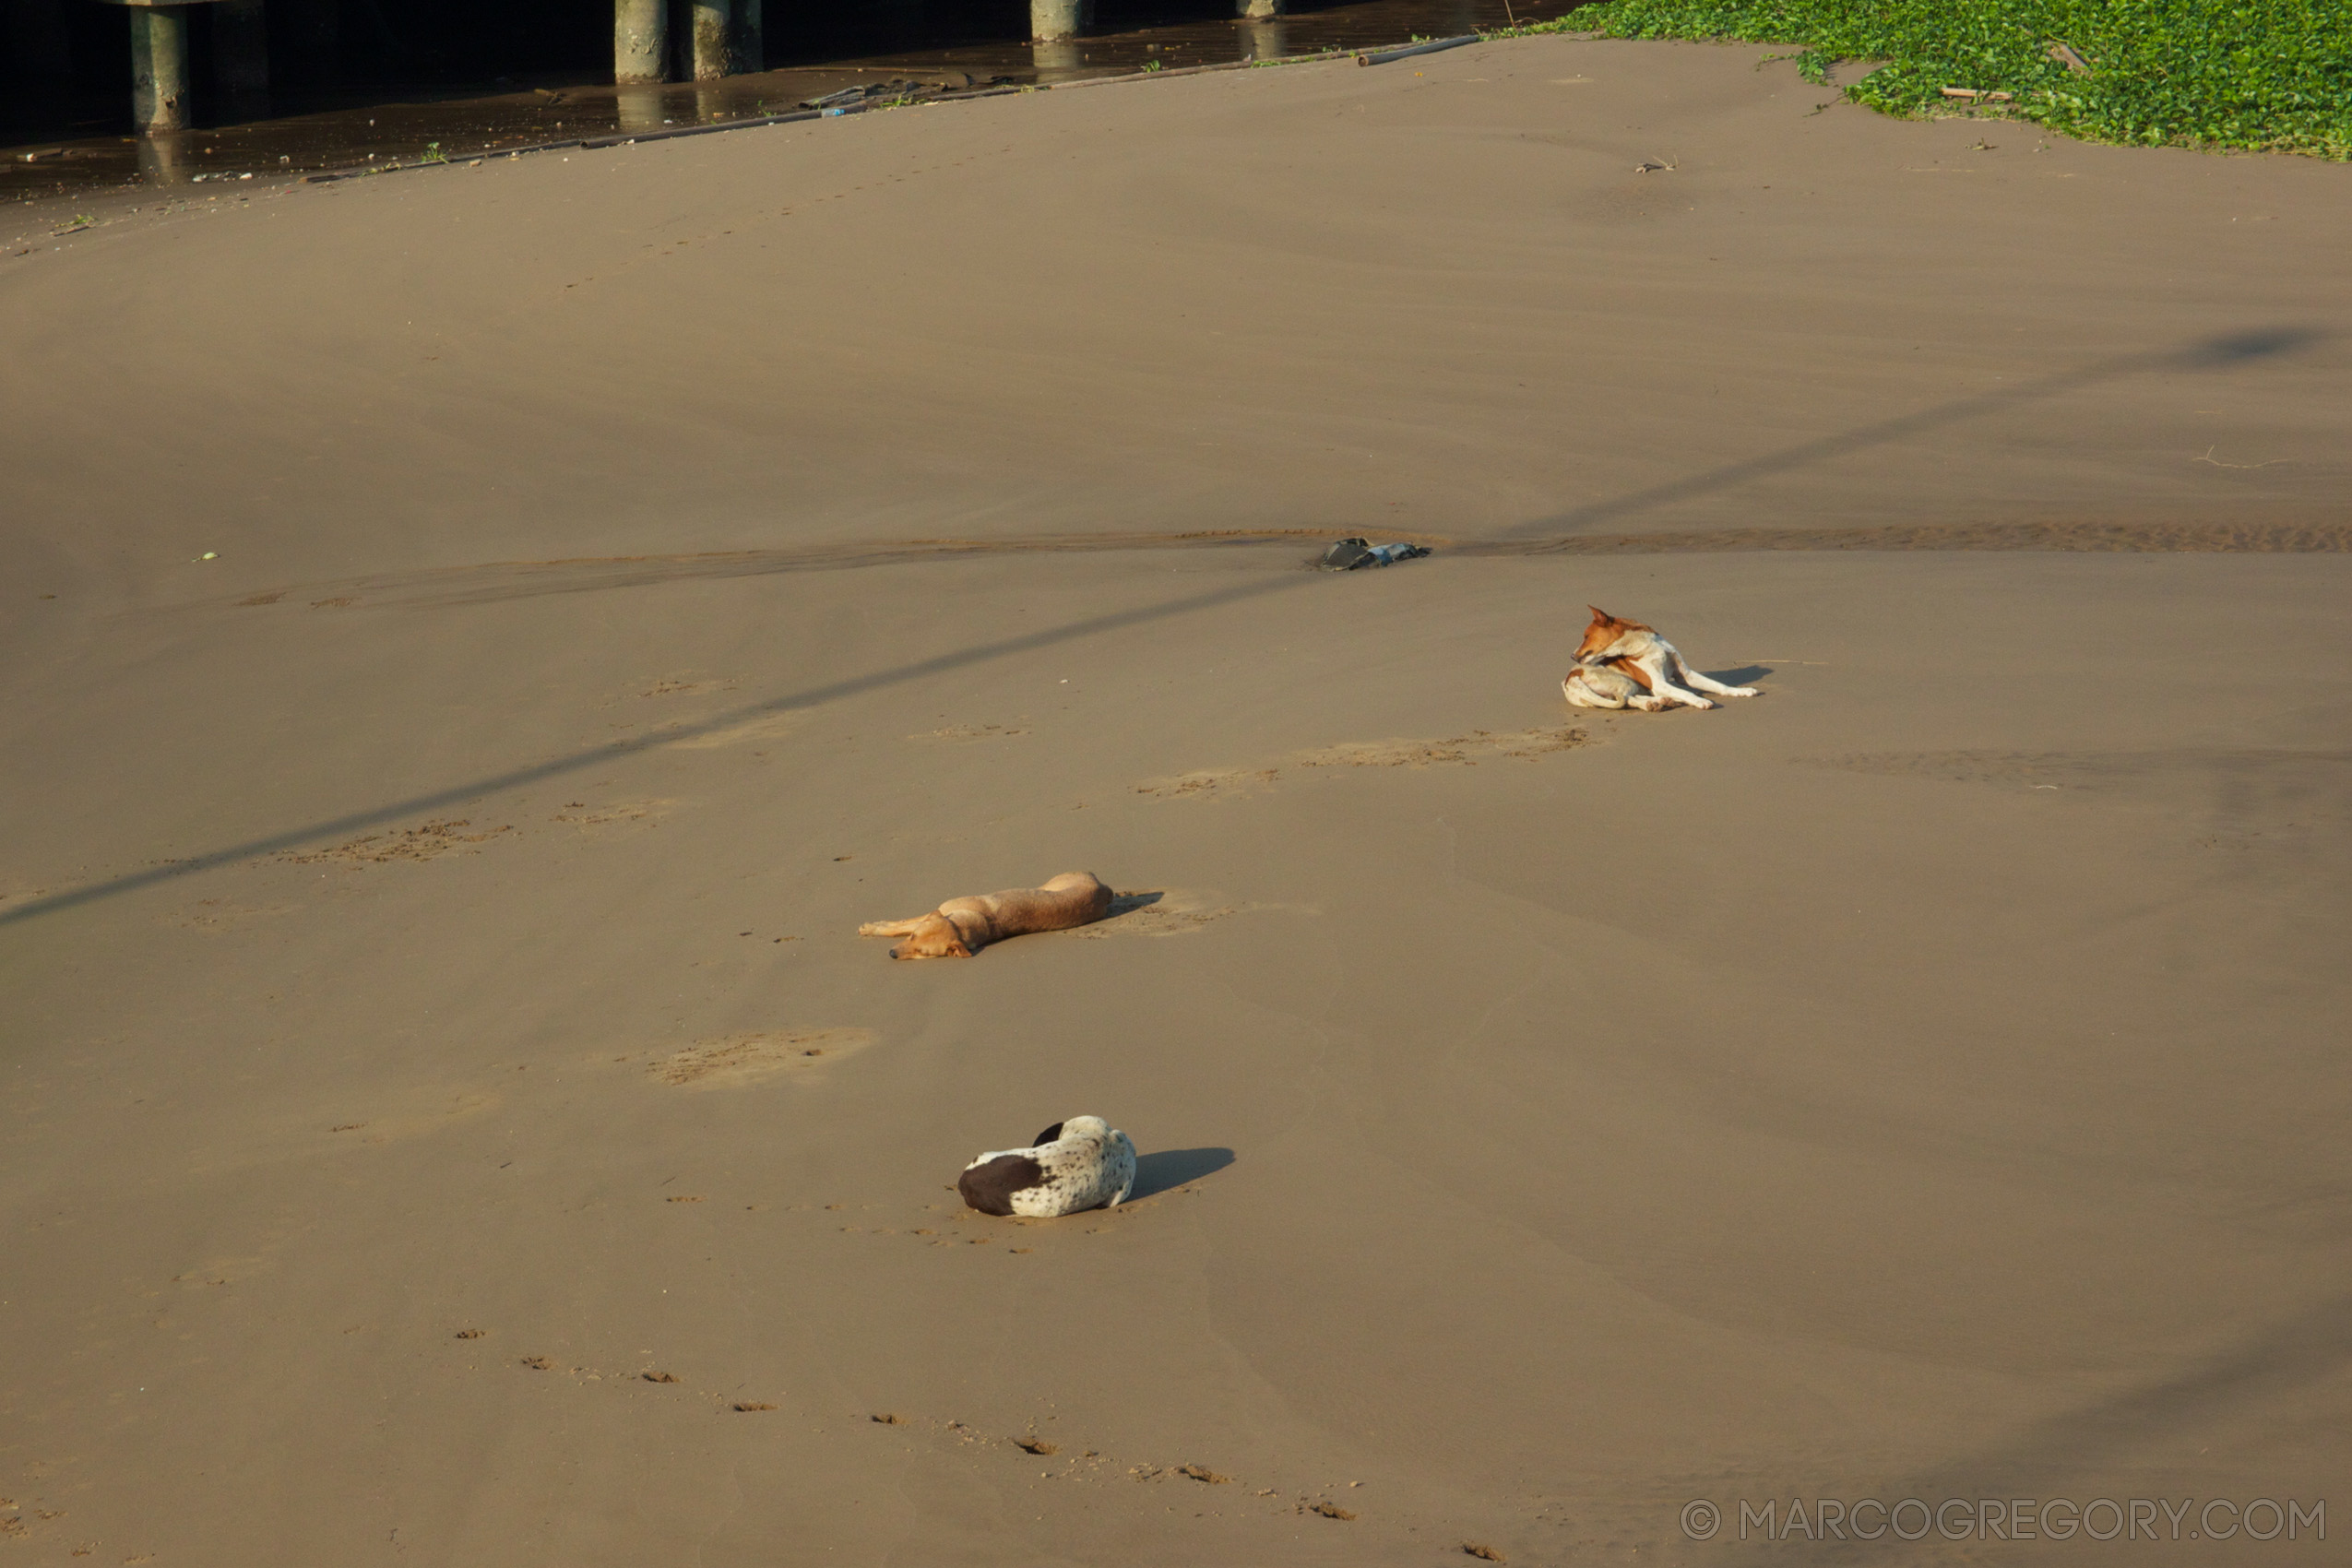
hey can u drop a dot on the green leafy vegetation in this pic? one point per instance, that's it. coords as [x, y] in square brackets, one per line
[2265, 74]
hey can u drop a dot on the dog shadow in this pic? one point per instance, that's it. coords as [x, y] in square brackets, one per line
[1167, 1169]
[1746, 675]
[1128, 903]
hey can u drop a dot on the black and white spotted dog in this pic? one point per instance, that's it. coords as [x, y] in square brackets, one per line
[1075, 1165]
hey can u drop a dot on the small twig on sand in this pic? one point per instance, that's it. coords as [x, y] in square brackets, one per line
[2209, 457]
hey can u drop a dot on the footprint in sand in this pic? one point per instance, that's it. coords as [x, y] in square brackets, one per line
[420, 1114]
[684, 684]
[968, 732]
[217, 915]
[735, 1060]
[1209, 784]
[1477, 746]
[617, 816]
[427, 841]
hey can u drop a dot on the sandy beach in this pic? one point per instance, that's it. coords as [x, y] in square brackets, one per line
[477, 643]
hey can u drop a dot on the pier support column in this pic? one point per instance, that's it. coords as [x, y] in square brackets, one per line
[1259, 11]
[751, 35]
[158, 68]
[707, 21]
[241, 47]
[1051, 20]
[640, 40]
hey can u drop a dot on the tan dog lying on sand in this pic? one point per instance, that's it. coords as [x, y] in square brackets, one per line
[961, 927]
[1626, 664]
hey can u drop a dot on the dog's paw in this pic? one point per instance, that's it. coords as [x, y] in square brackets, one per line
[1742, 692]
[1697, 702]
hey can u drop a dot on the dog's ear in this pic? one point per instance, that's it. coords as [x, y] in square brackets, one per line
[1603, 616]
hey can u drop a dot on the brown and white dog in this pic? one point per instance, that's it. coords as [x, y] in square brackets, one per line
[961, 927]
[1626, 664]
[1073, 1166]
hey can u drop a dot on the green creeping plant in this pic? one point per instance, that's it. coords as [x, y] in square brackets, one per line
[2276, 75]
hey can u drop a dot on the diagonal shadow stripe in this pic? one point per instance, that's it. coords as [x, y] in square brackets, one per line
[2211, 353]
[599, 756]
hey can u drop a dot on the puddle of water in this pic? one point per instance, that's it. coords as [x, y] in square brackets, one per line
[396, 127]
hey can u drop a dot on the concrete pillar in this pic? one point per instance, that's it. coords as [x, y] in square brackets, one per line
[1050, 20]
[640, 40]
[1259, 11]
[158, 68]
[241, 47]
[751, 35]
[707, 22]
[38, 49]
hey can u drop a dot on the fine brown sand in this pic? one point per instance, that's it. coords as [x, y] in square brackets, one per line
[450, 1119]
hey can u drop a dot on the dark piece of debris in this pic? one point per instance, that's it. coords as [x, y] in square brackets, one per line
[1350, 554]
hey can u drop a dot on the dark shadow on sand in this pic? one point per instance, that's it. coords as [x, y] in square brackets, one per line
[1165, 1169]
[1746, 675]
[599, 756]
[2222, 351]
[1128, 903]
